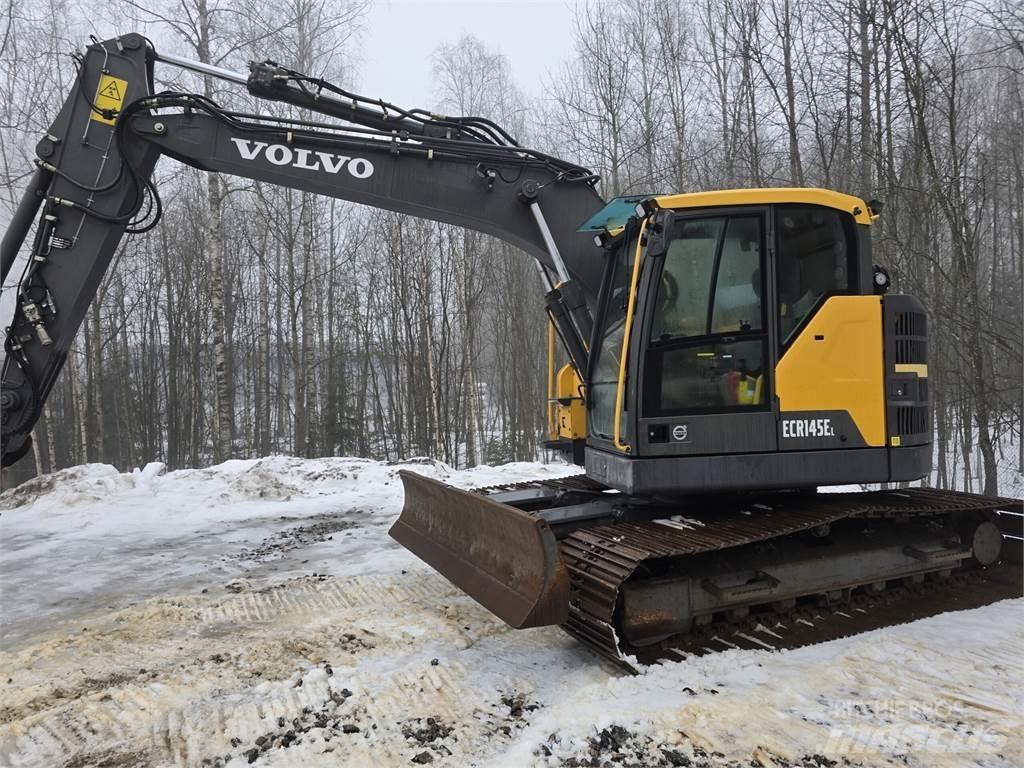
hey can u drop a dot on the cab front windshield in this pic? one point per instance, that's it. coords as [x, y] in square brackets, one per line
[605, 370]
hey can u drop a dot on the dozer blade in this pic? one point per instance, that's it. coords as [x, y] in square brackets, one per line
[505, 559]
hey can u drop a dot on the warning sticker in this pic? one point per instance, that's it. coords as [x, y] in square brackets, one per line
[109, 96]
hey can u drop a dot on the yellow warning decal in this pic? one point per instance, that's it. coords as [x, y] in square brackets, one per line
[109, 96]
[919, 368]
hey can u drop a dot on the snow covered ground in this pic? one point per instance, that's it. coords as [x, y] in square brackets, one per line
[257, 613]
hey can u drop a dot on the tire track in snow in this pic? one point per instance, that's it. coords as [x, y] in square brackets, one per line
[328, 595]
[191, 713]
[183, 723]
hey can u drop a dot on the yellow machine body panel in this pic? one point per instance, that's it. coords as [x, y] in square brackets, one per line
[570, 413]
[567, 414]
[770, 196]
[836, 364]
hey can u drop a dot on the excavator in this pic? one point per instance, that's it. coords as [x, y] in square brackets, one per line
[728, 353]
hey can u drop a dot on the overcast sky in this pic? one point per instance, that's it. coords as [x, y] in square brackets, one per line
[401, 35]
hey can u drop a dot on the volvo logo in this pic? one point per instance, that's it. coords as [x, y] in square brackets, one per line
[680, 433]
[306, 159]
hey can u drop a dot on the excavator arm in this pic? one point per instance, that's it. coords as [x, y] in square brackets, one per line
[93, 185]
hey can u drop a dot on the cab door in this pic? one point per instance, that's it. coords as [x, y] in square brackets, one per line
[706, 372]
[829, 378]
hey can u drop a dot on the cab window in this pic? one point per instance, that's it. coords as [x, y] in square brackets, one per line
[813, 257]
[605, 380]
[708, 344]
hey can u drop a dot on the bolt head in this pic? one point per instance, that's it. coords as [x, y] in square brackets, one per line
[8, 399]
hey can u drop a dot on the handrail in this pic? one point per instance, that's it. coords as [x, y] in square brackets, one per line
[552, 421]
[621, 386]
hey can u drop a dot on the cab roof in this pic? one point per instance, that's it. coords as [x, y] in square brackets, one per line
[768, 196]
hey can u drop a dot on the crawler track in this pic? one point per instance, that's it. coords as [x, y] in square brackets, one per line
[816, 621]
[602, 558]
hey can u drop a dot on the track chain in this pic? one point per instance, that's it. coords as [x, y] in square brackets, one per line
[601, 558]
[862, 610]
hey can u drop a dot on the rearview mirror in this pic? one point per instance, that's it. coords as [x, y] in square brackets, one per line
[659, 232]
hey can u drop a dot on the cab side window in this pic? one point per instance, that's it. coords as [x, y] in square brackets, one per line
[737, 305]
[813, 257]
[681, 308]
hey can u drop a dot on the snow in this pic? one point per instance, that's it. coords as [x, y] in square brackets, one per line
[73, 543]
[160, 618]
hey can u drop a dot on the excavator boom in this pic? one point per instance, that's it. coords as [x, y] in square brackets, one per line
[93, 183]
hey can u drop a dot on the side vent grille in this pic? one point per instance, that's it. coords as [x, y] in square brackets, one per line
[911, 351]
[908, 417]
[911, 420]
[911, 324]
[911, 332]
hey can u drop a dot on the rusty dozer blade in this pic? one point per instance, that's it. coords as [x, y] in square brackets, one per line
[505, 559]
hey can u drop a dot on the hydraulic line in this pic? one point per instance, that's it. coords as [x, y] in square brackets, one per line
[22, 220]
[272, 81]
[440, 147]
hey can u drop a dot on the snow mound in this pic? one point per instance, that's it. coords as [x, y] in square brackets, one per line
[263, 480]
[68, 487]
